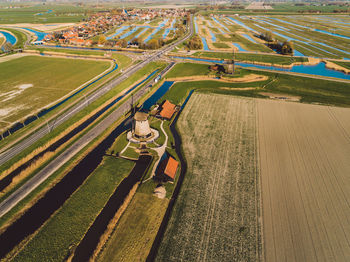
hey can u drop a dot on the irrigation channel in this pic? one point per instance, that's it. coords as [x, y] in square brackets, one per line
[41, 211]
[6, 181]
[315, 70]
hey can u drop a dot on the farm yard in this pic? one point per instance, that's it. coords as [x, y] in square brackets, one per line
[30, 83]
[304, 166]
[215, 215]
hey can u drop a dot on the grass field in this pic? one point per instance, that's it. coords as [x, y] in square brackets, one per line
[309, 90]
[304, 165]
[134, 234]
[215, 215]
[273, 59]
[63, 232]
[40, 13]
[30, 83]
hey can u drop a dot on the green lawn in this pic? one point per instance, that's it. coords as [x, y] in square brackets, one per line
[66, 228]
[188, 69]
[220, 45]
[136, 230]
[32, 82]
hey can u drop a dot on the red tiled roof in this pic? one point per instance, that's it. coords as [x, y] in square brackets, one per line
[171, 167]
[168, 109]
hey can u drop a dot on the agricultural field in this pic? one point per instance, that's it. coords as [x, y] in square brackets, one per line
[304, 164]
[144, 31]
[216, 216]
[312, 35]
[219, 34]
[30, 83]
[41, 13]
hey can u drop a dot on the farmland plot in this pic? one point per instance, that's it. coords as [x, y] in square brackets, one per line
[215, 217]
[304, 167]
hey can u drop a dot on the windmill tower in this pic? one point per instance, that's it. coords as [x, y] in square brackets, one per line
[231, 64]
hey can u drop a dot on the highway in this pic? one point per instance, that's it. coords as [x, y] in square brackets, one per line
[97, 130]
[16, 149]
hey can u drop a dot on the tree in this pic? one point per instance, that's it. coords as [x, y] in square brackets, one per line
[268, 36]
[195, 43]
[153, 44]
[102, 40]
[123, 43]
[287, 48]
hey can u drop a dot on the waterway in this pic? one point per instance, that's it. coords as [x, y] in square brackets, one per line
[9, 37]
[240, 48]
[205, 44]
[40, 35]
[314, 70]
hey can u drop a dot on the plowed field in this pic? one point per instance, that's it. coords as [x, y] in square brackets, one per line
[305, 175]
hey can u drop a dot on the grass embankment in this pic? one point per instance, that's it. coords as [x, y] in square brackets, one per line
[32, 82]
[67, 51]
[62, 128]
[66, 228]
[264, 58]
[343, 64]
[310, 90]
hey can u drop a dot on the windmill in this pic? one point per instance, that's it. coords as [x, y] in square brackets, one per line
[231, 64]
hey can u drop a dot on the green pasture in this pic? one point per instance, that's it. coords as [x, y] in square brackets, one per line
[63, 232]
[310, 90]
[52, 78]
[40, 13]
[265, 58]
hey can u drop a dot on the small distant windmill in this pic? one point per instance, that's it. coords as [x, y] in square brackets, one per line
[231, 64]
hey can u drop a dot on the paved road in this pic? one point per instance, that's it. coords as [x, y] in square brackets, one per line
[54, 165]
[16, 149]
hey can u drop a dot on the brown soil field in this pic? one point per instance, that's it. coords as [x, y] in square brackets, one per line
[215, 215]
[304, 153]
